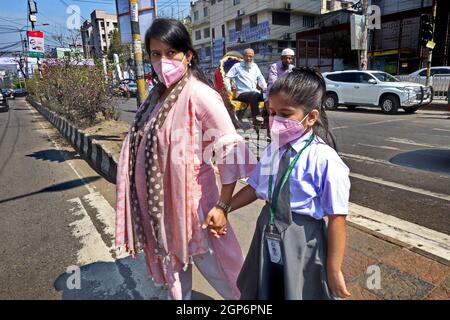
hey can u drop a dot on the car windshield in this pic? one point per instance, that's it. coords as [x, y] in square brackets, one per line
[385, 77]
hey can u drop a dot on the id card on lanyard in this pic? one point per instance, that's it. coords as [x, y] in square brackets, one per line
[272, 235]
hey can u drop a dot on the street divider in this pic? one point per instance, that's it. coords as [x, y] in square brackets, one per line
[99, 158]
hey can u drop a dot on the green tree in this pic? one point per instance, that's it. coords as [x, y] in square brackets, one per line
[117, 47]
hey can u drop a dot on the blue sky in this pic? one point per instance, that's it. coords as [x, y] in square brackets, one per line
[13, 13]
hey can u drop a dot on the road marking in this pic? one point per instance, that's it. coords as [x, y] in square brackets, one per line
[400, 186]
[366, 159]
[379, 147]
[105, 213]
[438, 129]
[413, 143]
[369, 124]
[93, 247]
[414, 235]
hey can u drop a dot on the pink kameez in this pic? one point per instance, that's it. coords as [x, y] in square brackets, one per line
[199, 109]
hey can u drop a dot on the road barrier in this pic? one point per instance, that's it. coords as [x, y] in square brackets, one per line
[440, 84]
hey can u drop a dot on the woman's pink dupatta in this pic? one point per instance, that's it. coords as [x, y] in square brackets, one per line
[181, 206]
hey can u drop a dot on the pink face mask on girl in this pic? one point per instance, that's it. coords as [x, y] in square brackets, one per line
[285, 130]
[169, 71]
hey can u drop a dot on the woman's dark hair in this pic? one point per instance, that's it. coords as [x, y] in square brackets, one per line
[305, 87]
[173, 33]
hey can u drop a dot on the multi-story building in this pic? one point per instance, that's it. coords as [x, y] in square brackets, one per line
[267, 27]
[66, 53]
[394, 48]
[201, 31]
[334, 5]
[97, 36]
[87, 40]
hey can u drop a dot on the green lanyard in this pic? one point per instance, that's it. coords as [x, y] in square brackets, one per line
[274, 202]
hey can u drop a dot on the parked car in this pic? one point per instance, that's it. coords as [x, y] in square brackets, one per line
[374, 89]
[4, 106]
[9, 93]
[20, 92]
[435, 71]
[440, 78]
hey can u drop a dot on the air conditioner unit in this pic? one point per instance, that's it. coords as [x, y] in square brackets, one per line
[287, 6]
[240, 13]
[287, 36]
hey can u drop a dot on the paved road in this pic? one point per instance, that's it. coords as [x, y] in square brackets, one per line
[400, 164]
[54, 217]
[57, 212]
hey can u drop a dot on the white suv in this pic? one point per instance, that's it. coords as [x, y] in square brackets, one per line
[375, 89]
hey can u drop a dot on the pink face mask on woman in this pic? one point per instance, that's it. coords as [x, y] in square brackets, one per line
[169, 71]
[285, 130]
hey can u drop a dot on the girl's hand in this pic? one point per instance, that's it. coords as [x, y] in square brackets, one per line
[216, 222]
[336, 284]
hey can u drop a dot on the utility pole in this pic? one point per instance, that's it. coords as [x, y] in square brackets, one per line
[137, 52]
[363, 60]
[430, 50]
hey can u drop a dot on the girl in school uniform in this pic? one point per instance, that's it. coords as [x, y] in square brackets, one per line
[294, 255]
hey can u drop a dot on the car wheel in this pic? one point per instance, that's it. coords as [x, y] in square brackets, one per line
[389, 104]
[351, 108]
[331, 101]
[411, 110]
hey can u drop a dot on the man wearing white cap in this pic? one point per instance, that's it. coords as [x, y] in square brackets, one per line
[281, 67]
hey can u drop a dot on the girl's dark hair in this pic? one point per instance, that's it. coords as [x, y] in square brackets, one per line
[305, 87]
[173, 33]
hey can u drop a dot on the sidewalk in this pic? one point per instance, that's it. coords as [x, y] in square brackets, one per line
[405, 275]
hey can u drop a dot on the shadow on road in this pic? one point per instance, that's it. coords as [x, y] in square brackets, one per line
[55, 188]
[433, 160]
[124, 279]
[54, 155]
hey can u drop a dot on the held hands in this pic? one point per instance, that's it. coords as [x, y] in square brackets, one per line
[336, 284]
[216, 222]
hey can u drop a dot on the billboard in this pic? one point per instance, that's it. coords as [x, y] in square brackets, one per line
[35, 44]
[146, 16]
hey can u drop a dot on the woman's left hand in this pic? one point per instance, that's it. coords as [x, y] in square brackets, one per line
[216, 222]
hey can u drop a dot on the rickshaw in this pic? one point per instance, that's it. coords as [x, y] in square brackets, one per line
[238, 110]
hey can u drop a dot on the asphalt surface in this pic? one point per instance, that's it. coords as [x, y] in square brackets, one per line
[409, 151]
[53, 217]
[57, 212]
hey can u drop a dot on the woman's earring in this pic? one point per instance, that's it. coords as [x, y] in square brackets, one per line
[190, 64]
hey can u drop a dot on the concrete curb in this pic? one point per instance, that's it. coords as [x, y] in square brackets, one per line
[102, 160]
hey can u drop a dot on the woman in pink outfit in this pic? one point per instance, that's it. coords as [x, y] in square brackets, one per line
[166, 183]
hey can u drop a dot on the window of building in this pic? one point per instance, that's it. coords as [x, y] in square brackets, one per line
[253, 20]
[344, 5]
[308, 21]
[102, 24]
[108, 23]
[206, 33]
[281, 18]
[205, 11]
[208, 52]
[328, 5]
[195, 15]
[213, 2]
[213, 33]
[282, 45]
[223, 31]
[238, 24]
[198, 35]
[235, 2]
[115, 25]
